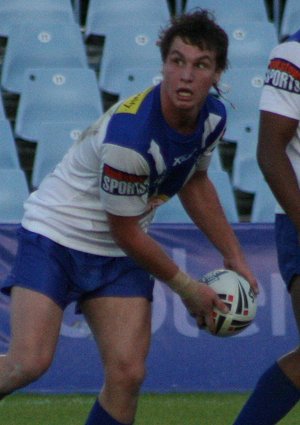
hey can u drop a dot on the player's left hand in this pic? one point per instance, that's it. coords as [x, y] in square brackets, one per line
[242, 268]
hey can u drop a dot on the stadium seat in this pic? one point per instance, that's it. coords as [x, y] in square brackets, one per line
[178, 7]
[127, 46]
[250, 42]
[225, 192]
[135, 80]
[15, 12]
[54, 141]
[2, 109]
[245, 171]
[247, 141]
[215, 163]
[252, 10]
[242, 88]
[290, 22]
[8, 152]
[246, 174]
[62, 94]
[13, 192]
[264, 203]
[102, 14]
[38, 45]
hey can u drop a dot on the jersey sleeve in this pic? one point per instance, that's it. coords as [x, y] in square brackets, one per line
[124, 181]
[203, 161]
[281, 92]
[206, 157]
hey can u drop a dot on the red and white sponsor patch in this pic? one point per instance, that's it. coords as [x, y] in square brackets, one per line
[117, 182]
[283, 75]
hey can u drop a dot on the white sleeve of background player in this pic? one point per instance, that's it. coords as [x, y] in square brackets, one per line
[281, 92]
[124, 181]
[280, 102]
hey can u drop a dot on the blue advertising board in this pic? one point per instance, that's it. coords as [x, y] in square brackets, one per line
[182, 358]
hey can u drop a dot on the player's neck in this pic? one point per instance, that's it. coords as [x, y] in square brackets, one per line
[183, 120]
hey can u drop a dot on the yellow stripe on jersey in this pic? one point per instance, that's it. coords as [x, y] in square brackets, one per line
[133, 103]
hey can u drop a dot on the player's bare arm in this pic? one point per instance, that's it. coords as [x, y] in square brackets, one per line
[201, 201]
[275, 133]
[128, 234]
[198, 298]
[278, 388]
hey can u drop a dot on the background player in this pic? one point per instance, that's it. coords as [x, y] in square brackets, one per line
[278, 389]
[84, 236]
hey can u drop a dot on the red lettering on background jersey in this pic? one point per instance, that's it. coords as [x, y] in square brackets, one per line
[283, 75]
[285, 66]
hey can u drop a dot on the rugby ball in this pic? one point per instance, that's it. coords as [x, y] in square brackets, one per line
[236, 293]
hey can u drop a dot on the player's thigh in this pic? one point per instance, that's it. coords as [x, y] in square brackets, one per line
[35, 323]
[121, 327]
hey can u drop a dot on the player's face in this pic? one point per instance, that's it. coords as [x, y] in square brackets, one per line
[189, 74]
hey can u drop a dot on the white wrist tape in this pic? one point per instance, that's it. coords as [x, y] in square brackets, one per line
[183, 285]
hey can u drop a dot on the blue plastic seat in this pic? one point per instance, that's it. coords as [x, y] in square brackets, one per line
[290, 22]
[8, 151]
[225, 192]
[252, 10]
[62, 94]
[102, 14]
[13, 192]
[264, 204]
[38, 45]
[135, 80]
[215, 163]
[127, 46]
[15, 12]
[250, 42]
[242, 87]
[2, 109]
[246, 174]
[54, 141]
[247, 143]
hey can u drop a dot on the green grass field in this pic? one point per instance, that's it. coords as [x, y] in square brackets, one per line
[154, 409]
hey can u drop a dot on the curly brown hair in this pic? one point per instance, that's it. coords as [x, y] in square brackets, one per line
[197, 28]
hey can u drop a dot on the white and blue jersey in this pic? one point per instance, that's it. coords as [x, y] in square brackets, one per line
[281, 95]
[127, 163]
[281, 92]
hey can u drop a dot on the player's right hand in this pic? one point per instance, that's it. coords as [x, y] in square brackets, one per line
[199, 298]
[200, 303]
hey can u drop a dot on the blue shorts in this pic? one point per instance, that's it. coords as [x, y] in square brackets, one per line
[66, 275]
[288, 248]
